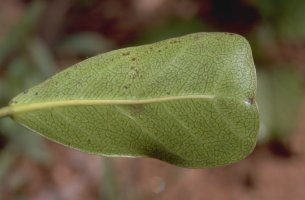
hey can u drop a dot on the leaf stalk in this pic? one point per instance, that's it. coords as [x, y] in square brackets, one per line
[5, 112]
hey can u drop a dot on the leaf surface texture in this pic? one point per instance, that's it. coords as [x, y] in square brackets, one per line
[189, 101]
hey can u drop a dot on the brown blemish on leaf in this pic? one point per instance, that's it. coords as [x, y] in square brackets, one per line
[174, 41]
[137, 110]
[134, 73]
[126, 86]
[251, 100]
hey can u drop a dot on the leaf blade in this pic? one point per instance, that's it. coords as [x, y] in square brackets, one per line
[151, 105]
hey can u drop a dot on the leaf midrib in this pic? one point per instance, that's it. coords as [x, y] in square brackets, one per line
[17, 109]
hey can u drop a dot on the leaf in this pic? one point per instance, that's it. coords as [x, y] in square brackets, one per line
[189, 101]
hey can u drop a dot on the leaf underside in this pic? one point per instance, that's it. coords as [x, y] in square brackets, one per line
[189, 101]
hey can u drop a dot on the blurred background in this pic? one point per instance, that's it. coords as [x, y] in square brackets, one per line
[40, 38]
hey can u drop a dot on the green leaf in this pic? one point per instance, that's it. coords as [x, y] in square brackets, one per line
[189, 101]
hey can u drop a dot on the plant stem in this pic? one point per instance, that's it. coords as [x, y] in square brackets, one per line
[6, 111]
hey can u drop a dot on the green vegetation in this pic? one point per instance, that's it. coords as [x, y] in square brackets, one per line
[189, 101]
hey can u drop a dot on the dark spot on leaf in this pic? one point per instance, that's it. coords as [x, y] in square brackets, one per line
[126, 53]
[174, 41]
[132, 67]
[134, 73]
[26, 91]
[136, 110]
[125, 87]
[133, 59]
[159, 152]
[251, 101]
[36, 93]
[159, 50]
